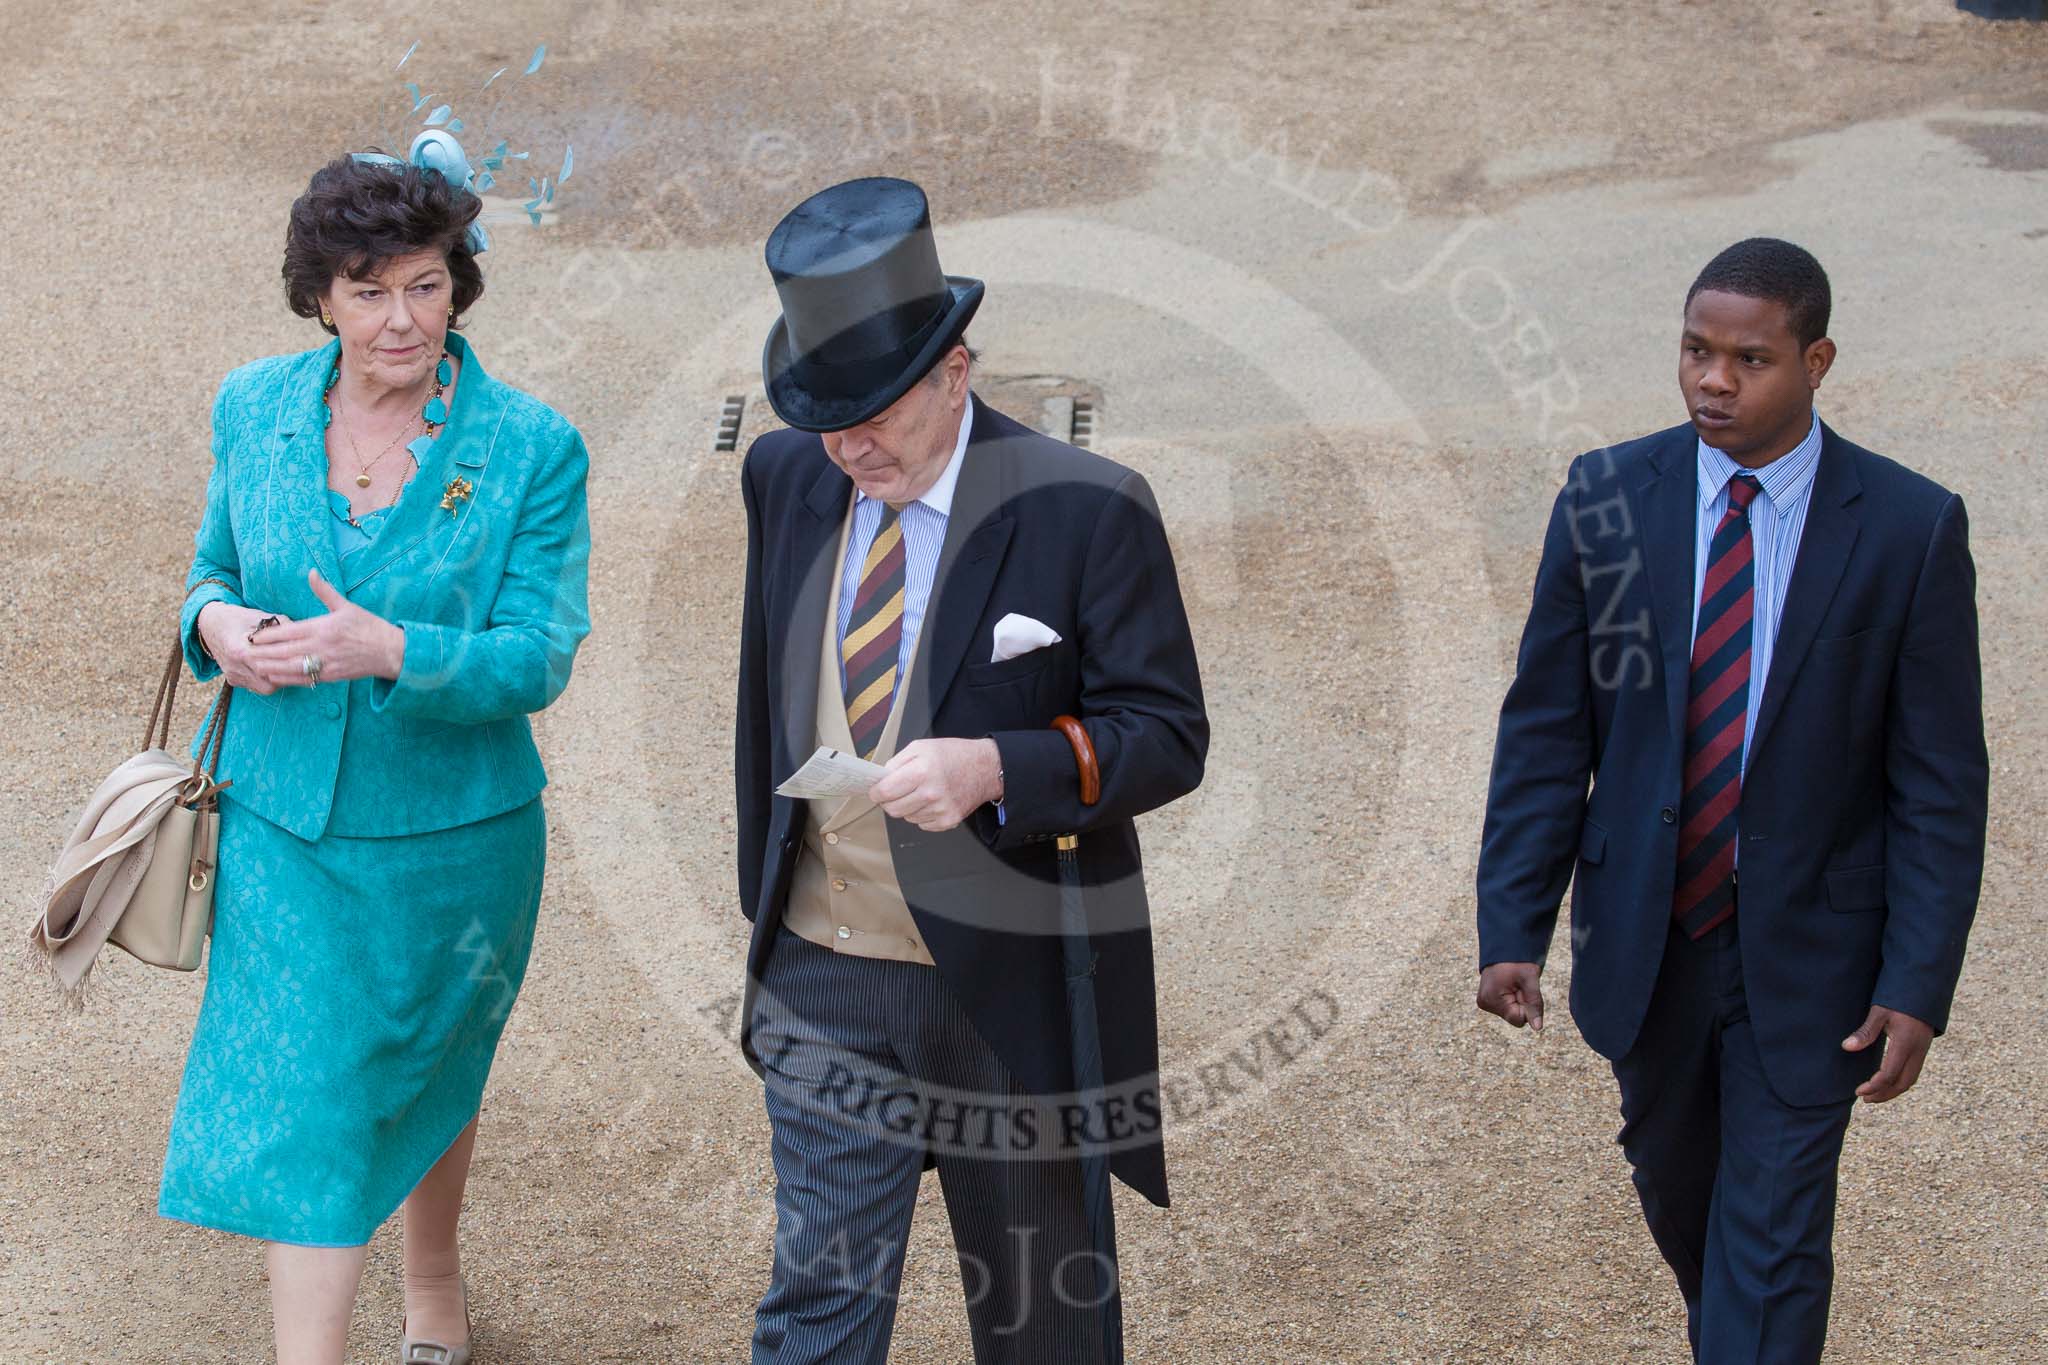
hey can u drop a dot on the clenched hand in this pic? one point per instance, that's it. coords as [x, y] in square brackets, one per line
[1510, 990]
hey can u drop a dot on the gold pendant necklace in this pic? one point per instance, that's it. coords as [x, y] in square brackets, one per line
[363, 470]
[347, 429]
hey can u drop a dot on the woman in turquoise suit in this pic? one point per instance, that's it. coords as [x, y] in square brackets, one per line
[391, 572]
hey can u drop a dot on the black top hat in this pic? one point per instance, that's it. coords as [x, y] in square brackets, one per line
[866, 311]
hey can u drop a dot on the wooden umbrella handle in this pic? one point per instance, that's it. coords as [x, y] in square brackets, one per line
[1084, 757]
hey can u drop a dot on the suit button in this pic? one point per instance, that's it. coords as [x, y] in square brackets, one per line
[831, 838]
[333, 710]
[839, 883]
[1668, 816]
[845, 932]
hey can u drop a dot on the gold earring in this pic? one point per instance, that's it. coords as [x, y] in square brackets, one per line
[326, 320]
[451, 312]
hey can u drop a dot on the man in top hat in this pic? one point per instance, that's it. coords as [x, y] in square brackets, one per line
[929, 584]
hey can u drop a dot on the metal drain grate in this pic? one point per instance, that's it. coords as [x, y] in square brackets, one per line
[729, 422]
[1063, 408]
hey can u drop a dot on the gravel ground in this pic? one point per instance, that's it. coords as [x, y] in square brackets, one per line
[1352, 280]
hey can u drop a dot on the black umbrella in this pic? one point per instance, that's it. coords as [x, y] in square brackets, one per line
[1084, 1035]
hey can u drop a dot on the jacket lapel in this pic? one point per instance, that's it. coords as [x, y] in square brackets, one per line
[833, 729]
[1824, 545]
[815, 529]
[298, 503]
[977, 534]
[1669, 503]
[463, 448]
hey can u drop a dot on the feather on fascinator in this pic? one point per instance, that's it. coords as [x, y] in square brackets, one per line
[436, 148]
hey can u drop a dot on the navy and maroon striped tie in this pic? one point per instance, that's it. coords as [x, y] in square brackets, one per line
[1715, 721]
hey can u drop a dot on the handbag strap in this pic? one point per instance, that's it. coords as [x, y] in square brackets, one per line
[157, 732]
[208, 759]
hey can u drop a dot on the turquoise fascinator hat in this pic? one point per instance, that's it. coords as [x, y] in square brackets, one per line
[436, 150]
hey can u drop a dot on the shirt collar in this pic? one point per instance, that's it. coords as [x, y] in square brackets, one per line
[1785, 480]
[939, 497]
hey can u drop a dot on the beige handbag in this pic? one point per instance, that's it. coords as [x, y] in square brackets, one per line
[139, 866]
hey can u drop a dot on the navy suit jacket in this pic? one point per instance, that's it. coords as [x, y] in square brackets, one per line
[1040, 528]
[1862, 811]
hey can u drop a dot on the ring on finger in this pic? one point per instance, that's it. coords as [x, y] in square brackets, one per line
[310, 665]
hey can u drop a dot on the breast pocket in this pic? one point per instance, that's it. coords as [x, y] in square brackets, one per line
[1877, 641]
[1024, 667]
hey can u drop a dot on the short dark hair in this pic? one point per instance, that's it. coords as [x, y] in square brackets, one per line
[1778, 271]
[356, 215]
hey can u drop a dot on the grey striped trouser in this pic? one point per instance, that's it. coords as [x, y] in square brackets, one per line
[870, 1063]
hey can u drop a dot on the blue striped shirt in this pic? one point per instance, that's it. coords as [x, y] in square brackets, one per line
[1777, 516]
[924, 531]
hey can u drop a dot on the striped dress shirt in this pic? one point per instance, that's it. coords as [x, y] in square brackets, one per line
[1777, 516]
[924, 532]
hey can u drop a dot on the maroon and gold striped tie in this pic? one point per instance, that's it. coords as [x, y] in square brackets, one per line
[874, 635]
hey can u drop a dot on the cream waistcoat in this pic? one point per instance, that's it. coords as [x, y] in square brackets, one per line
[844, 895]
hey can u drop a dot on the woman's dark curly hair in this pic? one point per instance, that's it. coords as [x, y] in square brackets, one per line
[356, 215]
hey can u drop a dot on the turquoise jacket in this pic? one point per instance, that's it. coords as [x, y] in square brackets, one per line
[491, 594]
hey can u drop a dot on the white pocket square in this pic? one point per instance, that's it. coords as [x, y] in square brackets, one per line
[1017, 634]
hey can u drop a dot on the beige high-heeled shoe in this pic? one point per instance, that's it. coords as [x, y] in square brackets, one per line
[412, 1352]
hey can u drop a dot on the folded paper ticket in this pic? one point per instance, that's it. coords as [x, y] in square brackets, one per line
[828, 773]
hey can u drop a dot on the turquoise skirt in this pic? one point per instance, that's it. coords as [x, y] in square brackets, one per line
[355, 992]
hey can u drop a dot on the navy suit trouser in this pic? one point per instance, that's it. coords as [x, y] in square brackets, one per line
[1737, 1186]
[870, 1064]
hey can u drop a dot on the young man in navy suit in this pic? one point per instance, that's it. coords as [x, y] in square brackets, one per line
[1757, 642]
